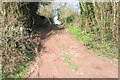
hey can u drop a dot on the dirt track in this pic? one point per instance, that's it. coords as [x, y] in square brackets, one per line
[50, 63]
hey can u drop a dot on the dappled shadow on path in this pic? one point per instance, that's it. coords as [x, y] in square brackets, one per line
[41, 38]
[45, 35]
[52, 61]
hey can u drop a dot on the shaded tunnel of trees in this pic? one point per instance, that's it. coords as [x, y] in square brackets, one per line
[100, 20]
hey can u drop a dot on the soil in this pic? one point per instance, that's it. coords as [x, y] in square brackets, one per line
[50, 63]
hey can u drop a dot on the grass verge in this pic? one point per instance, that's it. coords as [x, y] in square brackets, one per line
[104, 49]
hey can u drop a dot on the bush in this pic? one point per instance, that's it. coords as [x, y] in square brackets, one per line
[16, 45]
[17, 50]
[70, 19]
[67, 15]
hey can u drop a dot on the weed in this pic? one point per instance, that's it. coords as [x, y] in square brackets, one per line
[70, 62]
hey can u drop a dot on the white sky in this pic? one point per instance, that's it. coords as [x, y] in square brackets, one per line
[71, 4]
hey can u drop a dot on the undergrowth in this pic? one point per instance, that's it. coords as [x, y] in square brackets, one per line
[17, 52]
[16, 39]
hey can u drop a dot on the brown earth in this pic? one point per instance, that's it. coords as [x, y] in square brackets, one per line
[50, 64]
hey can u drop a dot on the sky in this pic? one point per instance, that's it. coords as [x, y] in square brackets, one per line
[70, 4]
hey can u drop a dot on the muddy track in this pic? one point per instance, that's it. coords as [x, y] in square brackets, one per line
[50, 62]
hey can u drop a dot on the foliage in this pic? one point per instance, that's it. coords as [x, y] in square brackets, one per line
[45, 3]
[18, 14]
[67, 15]
[100, 20]
[16, 42]
[98, 26]
[17, 50]
[47, 12]
[89, 39]
[70, 19]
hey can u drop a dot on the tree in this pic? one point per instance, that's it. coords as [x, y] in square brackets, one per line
[16, 14]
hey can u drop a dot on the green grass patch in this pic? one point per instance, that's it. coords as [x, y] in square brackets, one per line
[92, 42]
[70, 62]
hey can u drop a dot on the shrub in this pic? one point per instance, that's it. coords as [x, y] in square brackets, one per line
[70, 19]
[16, 45]
[67, 15]
[17, 50]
